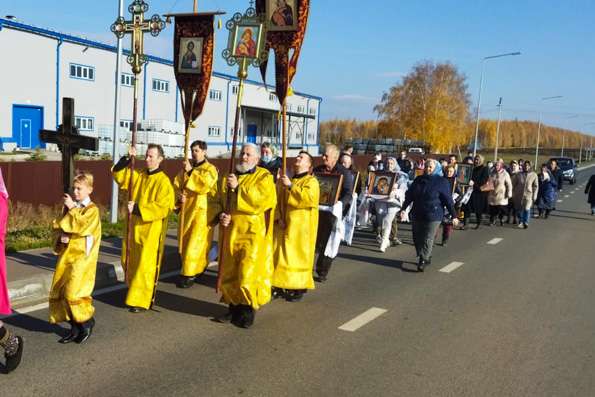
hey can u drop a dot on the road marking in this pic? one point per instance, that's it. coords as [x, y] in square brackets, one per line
[567, 196]
[495, 241]
[560, 201]
[452, 266]
[361, 320]
[572, 192]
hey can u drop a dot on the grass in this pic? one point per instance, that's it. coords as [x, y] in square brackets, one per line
[30, 226]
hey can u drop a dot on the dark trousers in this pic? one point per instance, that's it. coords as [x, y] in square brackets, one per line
[497, 211]
[424, 233]
[326, 223]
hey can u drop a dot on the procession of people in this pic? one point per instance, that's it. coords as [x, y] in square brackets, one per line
[276, 235]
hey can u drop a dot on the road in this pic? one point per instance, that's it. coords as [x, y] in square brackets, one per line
[515, 319]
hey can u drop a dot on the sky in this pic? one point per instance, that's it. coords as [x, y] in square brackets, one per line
[355, 50]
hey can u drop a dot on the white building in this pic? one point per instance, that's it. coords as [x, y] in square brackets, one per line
[41, 66]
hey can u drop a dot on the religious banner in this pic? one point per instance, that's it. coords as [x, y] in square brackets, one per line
[286, 28]
[194, 42]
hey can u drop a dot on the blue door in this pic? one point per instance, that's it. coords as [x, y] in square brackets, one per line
[26, 123]
[252, 130]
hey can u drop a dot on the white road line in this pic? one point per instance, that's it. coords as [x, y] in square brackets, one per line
[572, 192]
[452, 266]
[560, 201]
[495, 241]
[566, 196]
[362, 319]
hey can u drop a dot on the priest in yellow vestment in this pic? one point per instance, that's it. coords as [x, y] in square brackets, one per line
[246, 263]
[78, 249]
[295, 231]
[152, 201]
[195, 187]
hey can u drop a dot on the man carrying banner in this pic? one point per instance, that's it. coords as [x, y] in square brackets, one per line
[295, 238]
[151, 204]
[195, 186]
[327, 220]
[246, 266]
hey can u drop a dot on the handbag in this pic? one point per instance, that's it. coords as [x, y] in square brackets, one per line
[488, 186]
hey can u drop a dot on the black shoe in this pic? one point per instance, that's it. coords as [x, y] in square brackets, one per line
[525, 225]
[294, 295]
[277, 293]
[13, 361]
[136, 310]
[72, 335]
[185, 282]
[320, 279]
[85, 333]
[421, 265]
[245, 318]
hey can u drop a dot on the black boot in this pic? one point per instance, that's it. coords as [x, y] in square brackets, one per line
[185, 282]
[277, 293]
[421, 265]
[13, 349]
[86, 329]
[72, 335]
[294, 295]
[245, 317]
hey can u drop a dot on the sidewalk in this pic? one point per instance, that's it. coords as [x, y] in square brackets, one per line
[30, 272]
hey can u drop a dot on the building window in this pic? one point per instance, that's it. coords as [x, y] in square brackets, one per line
[126, 124]
[312, 111]
[127, 79]
[272, 97]
[160, 85]
[215, 95]
[82, 72]
[289, 107]
[300, 109]
[214, 131]
[234, 89]
[84, 123]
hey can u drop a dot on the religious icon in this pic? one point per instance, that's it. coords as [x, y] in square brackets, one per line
[190, 55]
[281, 15]
[330, 187]
[381, 184]
[247, 41]
[464, 173]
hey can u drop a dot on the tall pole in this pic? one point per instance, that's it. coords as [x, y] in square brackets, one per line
[547, 98]
[115, 135]
[580, 153]
[195, 6]
[563, 141]
[498, 130]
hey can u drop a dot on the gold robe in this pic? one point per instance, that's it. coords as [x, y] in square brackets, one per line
[247, 263]
[74, 278]
[197, 232]
[295, 245]
[154, 195]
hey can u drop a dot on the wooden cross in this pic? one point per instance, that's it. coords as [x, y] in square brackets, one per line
[69, 142]
[137, 27]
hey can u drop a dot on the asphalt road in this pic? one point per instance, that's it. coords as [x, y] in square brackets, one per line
[515, 319]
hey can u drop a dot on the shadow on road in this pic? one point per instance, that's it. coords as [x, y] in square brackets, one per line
[186, 305]
[26, 322]
[397, 264]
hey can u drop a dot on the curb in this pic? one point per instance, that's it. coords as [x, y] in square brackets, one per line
[34, 290]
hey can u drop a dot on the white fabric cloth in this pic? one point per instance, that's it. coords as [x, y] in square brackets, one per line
[336, 236]
[350, 220]
[88, 239]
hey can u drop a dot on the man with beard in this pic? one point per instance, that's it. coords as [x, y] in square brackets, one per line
[295, 236]
[246, 262]
[326, 220]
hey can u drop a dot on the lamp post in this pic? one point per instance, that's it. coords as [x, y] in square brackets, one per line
[480, 90]
[547, 98]
[498, 130]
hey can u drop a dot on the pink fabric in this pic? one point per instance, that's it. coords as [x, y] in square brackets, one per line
[3, 190]
[4, 298]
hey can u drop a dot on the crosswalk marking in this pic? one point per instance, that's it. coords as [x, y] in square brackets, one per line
[451, 267]
[361, 320]
[495, 241]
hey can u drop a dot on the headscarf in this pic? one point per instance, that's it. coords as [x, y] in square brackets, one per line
[481, 159]
[395, 168]
[438, 168]
[3, 190]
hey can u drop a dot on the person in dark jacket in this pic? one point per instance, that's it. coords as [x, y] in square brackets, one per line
[326, 220]
[269, 160]
[429, 194]
[590, 191]
[546, 197]
[479, 199]
[557, 173]
[404, 163]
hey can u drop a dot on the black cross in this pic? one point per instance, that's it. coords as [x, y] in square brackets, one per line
[69, 142]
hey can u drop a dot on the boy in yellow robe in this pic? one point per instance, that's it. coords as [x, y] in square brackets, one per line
[194, 187]
[152, 202]
[295, 235]
[246, 262]
[78, 247]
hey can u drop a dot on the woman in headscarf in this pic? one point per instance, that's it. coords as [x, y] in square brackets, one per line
[11, 343]
[386, 209]
[498, 198]
[546, 197]
[479, 180]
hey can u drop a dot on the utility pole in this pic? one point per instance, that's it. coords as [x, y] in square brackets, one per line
[498, 130]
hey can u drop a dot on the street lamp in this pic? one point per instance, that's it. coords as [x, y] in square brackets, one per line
[480, 89]
[547, 98]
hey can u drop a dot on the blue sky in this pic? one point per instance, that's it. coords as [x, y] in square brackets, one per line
[355, 50]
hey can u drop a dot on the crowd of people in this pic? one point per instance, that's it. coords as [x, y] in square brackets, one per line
[276, 236]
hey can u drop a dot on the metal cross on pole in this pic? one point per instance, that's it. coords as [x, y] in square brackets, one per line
[136, 27]
[69, 142]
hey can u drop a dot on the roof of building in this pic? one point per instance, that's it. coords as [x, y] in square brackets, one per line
[102, 46]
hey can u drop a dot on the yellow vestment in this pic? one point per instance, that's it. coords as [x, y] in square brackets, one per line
[74, 278]
[197, 233]
[295, 245]
[154, 196]
[247, 265]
